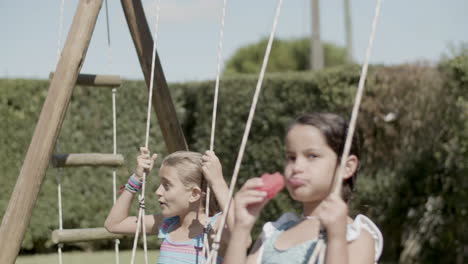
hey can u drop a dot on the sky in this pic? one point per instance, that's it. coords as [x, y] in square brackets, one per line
[408, 31]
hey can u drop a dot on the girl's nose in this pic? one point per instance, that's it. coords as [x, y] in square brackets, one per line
[158, 191]
[296, 170]
[298, 166]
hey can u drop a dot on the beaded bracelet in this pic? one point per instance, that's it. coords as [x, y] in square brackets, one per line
[133, 185]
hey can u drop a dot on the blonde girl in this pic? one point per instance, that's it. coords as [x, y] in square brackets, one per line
[181, 194]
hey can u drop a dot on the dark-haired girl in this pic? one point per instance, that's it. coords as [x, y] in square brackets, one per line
[314, 143]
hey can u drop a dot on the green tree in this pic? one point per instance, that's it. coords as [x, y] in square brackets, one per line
[286, 55]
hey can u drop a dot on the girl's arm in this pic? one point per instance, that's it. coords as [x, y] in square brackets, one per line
[118, 220]
[248, 203]
[238, 246]
[213, 172]
[362, 249]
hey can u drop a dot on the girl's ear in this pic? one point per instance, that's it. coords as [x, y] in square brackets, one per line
[351, 166]
[196, 194]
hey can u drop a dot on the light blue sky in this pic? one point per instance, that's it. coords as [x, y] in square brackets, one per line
[408, 31]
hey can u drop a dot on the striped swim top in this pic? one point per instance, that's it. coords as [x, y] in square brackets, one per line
[186, 252]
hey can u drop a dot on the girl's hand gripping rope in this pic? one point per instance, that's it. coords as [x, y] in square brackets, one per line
[145, 163]
[333, 215]
[212, 169]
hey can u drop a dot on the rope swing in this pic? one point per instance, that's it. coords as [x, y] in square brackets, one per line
[320, 249]
[114, 127]
[206, 245]
[141, 197]
[215, 246]
[357, 103]
[59, 170]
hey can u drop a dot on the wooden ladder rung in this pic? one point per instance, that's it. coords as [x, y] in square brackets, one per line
[101, 80]
[87, 159]
[82, 235]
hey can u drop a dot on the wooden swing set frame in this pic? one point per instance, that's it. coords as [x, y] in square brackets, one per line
[23, 199]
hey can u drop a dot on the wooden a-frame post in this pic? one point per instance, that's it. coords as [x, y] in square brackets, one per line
[162, 103]
[23, 199]
[18, 213]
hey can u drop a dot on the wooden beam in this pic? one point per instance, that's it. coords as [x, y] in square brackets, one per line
[18, 213]
[95, 80]
[82, 235]
[87, 159]
[162, 101]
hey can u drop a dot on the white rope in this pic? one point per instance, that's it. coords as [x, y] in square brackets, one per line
[60, 29]
[349, 137]
[135, 240]
[322, 254]
[215, 246]
[108, 35]
[114, 127]
[337, 181]
[218, 74]
[206, 246]
[59, 170]
[59, 191]
[316, 252]
[320, 250]
[114, 170]
[60, 210]
[152, 74]
[141, 198]
[114, 118]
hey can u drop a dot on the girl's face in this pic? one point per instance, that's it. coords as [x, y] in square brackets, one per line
[174, 196]
[310, 164]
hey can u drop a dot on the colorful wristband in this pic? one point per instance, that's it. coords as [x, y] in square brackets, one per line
[133, 185]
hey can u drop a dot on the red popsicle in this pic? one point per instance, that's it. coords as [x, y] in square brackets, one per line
[272, 184]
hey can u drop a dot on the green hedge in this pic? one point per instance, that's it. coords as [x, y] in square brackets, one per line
[87, 192]
[411, 181]
[413, 167]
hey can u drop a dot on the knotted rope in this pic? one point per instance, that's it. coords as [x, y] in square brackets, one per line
[214, 254]
[141, 198]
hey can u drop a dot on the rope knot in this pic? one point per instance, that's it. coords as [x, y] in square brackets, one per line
[141, 202]
[322, 233]
[215, 246]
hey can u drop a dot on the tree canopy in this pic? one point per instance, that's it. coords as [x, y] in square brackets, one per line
[286, 55]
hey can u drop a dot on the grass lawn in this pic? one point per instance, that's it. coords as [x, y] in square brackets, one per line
[88, 257]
